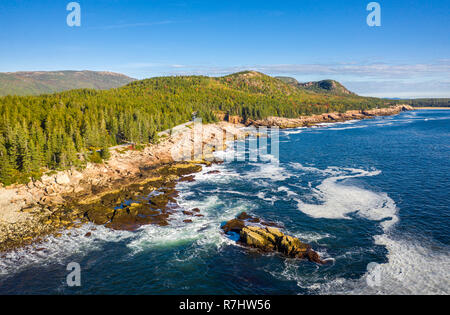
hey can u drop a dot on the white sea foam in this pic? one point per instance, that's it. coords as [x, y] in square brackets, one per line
[261, 195]
[271, 171]
[311, 236]
[412, 269]
[293, 131]
[331, 170]
[58, 249]
[347, 128]
[326, 124]
[338, 199]
[224, 176]
[74, 242]
[202, 231]
[288, 192]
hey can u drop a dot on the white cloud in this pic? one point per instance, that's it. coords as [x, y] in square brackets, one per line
[376, 70]
[401, 88]
[372, 79]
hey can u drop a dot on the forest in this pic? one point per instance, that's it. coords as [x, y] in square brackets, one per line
[62, 130]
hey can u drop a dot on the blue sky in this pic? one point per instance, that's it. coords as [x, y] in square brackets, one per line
[408, 56]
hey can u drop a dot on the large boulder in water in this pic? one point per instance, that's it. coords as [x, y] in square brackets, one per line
[234, 225]
[292, 246]
[269, 239]
[258, 238]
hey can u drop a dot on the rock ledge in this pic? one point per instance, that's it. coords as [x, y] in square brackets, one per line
[269, 239]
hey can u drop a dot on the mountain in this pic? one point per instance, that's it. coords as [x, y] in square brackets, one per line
[41, 82]
[324, 86]
[257, 82]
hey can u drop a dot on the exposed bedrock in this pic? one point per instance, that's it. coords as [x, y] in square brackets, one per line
[306, 121]
[269, 238]
[150, 200]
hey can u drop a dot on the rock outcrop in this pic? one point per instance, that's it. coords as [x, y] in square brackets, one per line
[269, 239]
[306, 121]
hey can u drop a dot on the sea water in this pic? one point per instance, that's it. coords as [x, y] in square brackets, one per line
[372, 197]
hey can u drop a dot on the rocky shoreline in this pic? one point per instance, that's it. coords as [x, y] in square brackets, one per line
[133, 187]
[308, 121]
[112, 193]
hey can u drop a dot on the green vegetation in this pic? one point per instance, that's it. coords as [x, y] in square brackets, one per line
[321, 87]
[36, 83]
[57, 131]
[95, 157]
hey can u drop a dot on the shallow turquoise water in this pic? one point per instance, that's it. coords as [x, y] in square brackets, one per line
[364, 193]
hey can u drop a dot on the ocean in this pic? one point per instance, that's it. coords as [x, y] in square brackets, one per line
[371, 197]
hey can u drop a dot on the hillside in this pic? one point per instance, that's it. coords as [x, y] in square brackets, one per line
[46, 132]
[321, 87]
[36, 83]
[256, 82]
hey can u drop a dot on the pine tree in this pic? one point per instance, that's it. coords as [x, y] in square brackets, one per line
[6, 167]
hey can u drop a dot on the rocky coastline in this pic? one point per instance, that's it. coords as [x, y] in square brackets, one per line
[308, 121]
[133, 187]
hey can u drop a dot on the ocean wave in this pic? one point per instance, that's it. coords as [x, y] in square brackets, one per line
[412, 268]
[271, 171]
[261, 195]
[294, 131]
[289, 193]
[347, 128]
[56, 250]
[311, 236]
[202, 231]
[336, 199]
